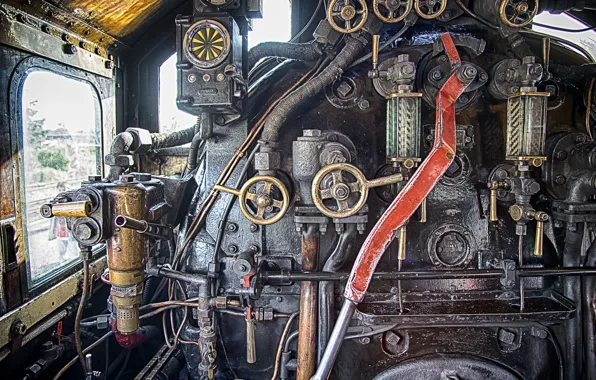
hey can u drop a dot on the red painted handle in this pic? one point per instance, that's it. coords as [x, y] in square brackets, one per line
[421, 183]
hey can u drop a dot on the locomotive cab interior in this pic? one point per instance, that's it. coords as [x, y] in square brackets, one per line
[298, 189]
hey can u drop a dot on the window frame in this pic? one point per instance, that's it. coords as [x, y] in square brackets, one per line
[105, 122]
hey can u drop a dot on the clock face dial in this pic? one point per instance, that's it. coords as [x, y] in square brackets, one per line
[207, 43]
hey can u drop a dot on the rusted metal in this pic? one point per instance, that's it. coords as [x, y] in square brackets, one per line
[308, 306]
[419, 186]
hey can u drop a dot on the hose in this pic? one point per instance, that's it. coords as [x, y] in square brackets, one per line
[197, 144]
[311, 88]
[308, 51]
[169, 140]
[80, 310]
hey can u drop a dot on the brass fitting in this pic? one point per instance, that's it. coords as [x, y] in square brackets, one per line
[494, 186]
[68, 209]
[126, 254]
[401, 248]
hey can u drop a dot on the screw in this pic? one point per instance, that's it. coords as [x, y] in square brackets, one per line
[253, 228]
[254, 248]
[483, 76]
[560, 179]
[392, 338]
[232, 248]
[232, 227]
[365, 340]
[470, 72]
[561, 155]
[84, 231]
[436, 75]
[109, 65]
[464, 98]
[580, 139]
[540, 333]
[70, 49]
[364, 104]
[279, 299]
[242, 268]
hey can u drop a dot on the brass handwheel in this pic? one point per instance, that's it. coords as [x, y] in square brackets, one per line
[517, 13]
[341, 190]
[352, 14]
[392, 11]
[430, 9]
[263, 199]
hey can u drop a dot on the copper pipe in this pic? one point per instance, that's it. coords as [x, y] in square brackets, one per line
[307, 330]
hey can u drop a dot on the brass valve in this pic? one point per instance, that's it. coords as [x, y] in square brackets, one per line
[262, 198]
[341, 190]
[352, 14]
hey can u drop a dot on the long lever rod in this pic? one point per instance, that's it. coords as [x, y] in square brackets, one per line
[405, 204]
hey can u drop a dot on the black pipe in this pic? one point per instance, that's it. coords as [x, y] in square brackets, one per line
[193, 154]
[571, 290]
[326, 296]
[309, 51]
[169, 140]
[589, 319]
[311, 88]
[286, 277]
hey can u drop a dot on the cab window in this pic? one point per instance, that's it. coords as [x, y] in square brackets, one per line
[60, 146]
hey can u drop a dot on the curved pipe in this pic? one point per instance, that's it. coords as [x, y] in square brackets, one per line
[309, 51]
[284, 109]
[581, 186]
[121, 144]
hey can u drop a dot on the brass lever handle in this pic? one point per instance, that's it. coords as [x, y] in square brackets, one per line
[401, 248]
[67, 209]
[540, 217]
[375, 51]
[251, 345]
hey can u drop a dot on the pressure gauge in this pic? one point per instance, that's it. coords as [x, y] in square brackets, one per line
[207, 44]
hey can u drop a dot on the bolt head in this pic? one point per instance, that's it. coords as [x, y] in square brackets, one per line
[311, 133]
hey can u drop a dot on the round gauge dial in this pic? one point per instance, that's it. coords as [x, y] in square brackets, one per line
[207, 43]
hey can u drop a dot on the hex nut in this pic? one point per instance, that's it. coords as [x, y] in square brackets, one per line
[267, 161]
[141, 140]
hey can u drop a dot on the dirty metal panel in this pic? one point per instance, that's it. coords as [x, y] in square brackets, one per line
[116, 17]
[48, 302]
[60, 23]
[24, 37]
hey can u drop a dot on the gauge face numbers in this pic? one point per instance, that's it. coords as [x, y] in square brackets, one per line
[207, 43]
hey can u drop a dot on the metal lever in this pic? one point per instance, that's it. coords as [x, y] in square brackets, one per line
[401, 248]
[375, 52]
[540, 217]
[67, 209]
[423, 212]
[494, 186]
[251, 345]
[143, 227]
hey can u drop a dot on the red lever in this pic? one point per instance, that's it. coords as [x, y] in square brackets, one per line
[421, 183]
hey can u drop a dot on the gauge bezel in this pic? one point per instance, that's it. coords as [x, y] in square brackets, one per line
[187, 46]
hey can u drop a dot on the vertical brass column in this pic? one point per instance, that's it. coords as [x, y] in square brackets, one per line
[307, 330]
[126, 252]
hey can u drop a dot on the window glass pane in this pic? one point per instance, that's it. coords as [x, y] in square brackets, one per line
[586, 40]
[276, 16]
[61, 146]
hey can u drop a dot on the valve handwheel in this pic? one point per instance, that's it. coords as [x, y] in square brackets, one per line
[352, 13]
[517, 13]
[430, 9]
[263, 198]
[392, 11]
[341, 190]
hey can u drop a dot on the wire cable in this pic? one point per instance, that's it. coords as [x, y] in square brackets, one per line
[80, 310]
[475, 16]
[384, 46]
[305, 28]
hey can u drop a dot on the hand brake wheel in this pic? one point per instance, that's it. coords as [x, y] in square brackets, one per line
[347, 13]
[392, 11]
